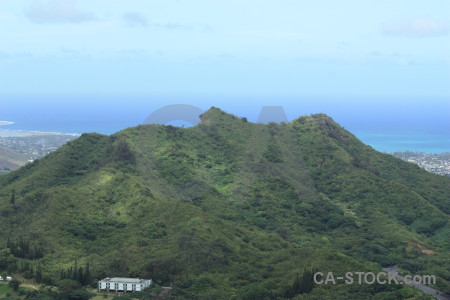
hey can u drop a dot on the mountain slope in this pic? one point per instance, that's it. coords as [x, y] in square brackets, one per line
[10, 159]
[231, 209]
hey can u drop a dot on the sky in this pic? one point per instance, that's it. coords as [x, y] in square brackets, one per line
[358, 49]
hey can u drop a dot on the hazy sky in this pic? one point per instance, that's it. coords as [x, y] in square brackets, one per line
[373, 48]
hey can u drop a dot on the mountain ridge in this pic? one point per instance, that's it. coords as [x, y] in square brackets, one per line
[230, 207]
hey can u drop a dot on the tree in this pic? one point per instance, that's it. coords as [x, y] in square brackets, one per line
[7, 260]
[14, 284]
[302, 284]
[12, 200]
[80, 295]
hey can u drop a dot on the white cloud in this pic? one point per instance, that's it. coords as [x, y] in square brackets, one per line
[57, 11]
[135, 19]
[417, 28]
[172, 26]
[269, 34]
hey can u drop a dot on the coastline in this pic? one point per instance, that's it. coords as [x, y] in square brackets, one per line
[25, 133]
[20, 133]
[6, 123]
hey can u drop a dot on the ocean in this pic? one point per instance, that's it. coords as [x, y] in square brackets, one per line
[398, 141]
[420, 130]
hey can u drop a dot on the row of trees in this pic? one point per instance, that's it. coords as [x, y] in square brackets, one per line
[303, 284]
[9, 263]
[24, 248]
[80, 274]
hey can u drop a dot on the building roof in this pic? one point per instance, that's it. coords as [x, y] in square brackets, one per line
[125, 280]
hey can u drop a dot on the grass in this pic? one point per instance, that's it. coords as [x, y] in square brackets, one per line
[100, 295]
[4, 288]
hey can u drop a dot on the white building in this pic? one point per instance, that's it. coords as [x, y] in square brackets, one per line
[118, 284]
[7, 278]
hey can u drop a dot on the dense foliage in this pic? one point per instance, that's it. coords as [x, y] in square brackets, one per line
[226, 209]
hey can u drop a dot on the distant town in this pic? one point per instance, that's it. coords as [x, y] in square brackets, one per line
[35, 146]
[19, 148]
[434, 163]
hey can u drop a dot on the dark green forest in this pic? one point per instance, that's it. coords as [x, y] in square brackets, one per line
[227, 209]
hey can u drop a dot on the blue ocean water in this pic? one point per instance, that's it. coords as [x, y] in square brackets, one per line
[415, 127]
[397, 141]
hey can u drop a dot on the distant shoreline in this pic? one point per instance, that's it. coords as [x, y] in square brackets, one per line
[24, 133]
[19, 133]
[6, 123]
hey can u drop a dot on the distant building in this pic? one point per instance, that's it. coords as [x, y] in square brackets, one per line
[118, 284]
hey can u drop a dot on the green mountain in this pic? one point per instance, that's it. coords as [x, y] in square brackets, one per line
[227, 209]
[10, 160]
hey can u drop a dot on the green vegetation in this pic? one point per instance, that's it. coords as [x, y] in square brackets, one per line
[227, 209]
[5, 289]
[14, 284]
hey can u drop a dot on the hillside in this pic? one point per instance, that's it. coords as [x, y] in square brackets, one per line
[228, 209]
[10, 160]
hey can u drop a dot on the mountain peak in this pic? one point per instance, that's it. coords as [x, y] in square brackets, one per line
[216, 115]
[324, 123]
